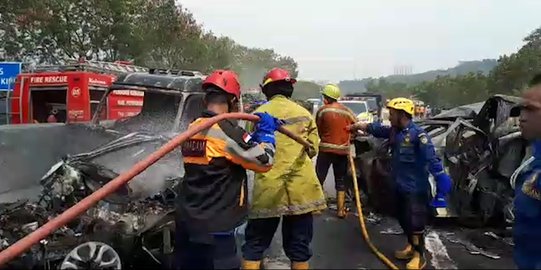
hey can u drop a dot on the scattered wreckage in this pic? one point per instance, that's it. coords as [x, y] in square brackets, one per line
[480, 145]
[131, 228]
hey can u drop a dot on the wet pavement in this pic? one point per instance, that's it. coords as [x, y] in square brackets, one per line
[338, 244]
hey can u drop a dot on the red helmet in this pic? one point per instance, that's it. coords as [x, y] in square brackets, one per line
[224, 79]
[277, 74]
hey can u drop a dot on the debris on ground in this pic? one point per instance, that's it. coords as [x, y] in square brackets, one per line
[470, 247]
[439, 257]
[394, 230]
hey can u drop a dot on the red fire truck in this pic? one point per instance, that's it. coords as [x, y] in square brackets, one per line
[71, 93]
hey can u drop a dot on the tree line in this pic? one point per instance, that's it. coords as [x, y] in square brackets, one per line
[509, 77]
[152, 33]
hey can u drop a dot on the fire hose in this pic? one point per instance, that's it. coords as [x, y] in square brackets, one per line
[364, 232]
[79, 208]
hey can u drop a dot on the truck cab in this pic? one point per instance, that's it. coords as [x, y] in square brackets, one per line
[71, 93]
[360, 109]
[372, 102]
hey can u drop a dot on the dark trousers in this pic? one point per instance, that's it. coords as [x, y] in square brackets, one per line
[297, 234]
[339, 165]
[205, 251]
[412, 214]
[526, 251]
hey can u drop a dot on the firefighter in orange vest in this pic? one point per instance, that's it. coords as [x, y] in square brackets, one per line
[212, 201]
[332, 119]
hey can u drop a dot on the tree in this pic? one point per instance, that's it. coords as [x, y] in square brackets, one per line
[514, 71]
[509, 77]
[305, 90]
[153, 33]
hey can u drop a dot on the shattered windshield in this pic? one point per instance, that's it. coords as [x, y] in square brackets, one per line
[157, 115]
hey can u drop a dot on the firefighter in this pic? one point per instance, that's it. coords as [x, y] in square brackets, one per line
[332, 118]
[290, 190]
[412, 151]
[213, 193]
[527, 203]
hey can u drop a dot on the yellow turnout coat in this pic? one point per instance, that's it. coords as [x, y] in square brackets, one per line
[291, 187]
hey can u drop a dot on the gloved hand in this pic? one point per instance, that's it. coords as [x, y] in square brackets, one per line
[443, 187]
[357, 126]
[439, 201]
[265, 128]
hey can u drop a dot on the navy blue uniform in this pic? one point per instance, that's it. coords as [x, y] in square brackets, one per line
[413, 157]
[527, 227]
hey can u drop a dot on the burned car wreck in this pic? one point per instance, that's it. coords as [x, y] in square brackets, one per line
[480, 146]
[133, 227]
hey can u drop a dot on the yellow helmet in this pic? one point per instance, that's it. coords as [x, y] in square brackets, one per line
[402, 104]
[331, 91]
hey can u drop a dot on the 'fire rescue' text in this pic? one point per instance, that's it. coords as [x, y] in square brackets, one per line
[49, 79]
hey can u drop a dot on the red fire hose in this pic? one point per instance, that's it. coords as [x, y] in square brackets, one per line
[76, 210]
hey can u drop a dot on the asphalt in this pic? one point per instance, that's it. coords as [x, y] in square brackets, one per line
[338, 244]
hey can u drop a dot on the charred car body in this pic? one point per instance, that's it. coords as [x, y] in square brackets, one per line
[131, 228]
[480, 146]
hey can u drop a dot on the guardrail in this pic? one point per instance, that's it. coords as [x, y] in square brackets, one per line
[4, 110]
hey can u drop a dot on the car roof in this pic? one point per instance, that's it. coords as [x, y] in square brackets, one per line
[181, 82]
[352, 101]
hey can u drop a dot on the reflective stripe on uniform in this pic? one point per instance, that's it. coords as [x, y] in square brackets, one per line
[218, 145]
[296, 120]
[339, 111]
[333, 146]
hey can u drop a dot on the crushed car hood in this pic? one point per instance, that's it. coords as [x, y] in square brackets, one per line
[466, 111]
[106, 162]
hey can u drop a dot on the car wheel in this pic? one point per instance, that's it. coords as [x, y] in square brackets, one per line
[92, 255]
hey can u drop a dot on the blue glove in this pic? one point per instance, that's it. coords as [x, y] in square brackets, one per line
[265, 128]
[443, 184]
[443, 187]
[439, 201]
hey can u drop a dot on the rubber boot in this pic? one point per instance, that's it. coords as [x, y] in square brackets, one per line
[418, 259]
[407, 252]
[341, 204]
[251, 265]
[299, 265]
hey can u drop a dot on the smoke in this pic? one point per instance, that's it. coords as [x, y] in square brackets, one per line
[150, 181]
[29, 151]
[250, 76]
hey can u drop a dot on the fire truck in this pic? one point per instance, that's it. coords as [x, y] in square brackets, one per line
[71, 93]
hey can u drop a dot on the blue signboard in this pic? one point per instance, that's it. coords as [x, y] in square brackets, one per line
[8, 74]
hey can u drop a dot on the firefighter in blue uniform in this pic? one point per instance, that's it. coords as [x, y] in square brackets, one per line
[527, 203]
[412, 151]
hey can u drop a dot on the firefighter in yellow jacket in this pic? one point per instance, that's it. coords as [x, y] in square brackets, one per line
[290, 190]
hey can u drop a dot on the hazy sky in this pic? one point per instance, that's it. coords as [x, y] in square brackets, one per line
[343, 39]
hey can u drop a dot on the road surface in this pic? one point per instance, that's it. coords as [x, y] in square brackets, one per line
[338, 244]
